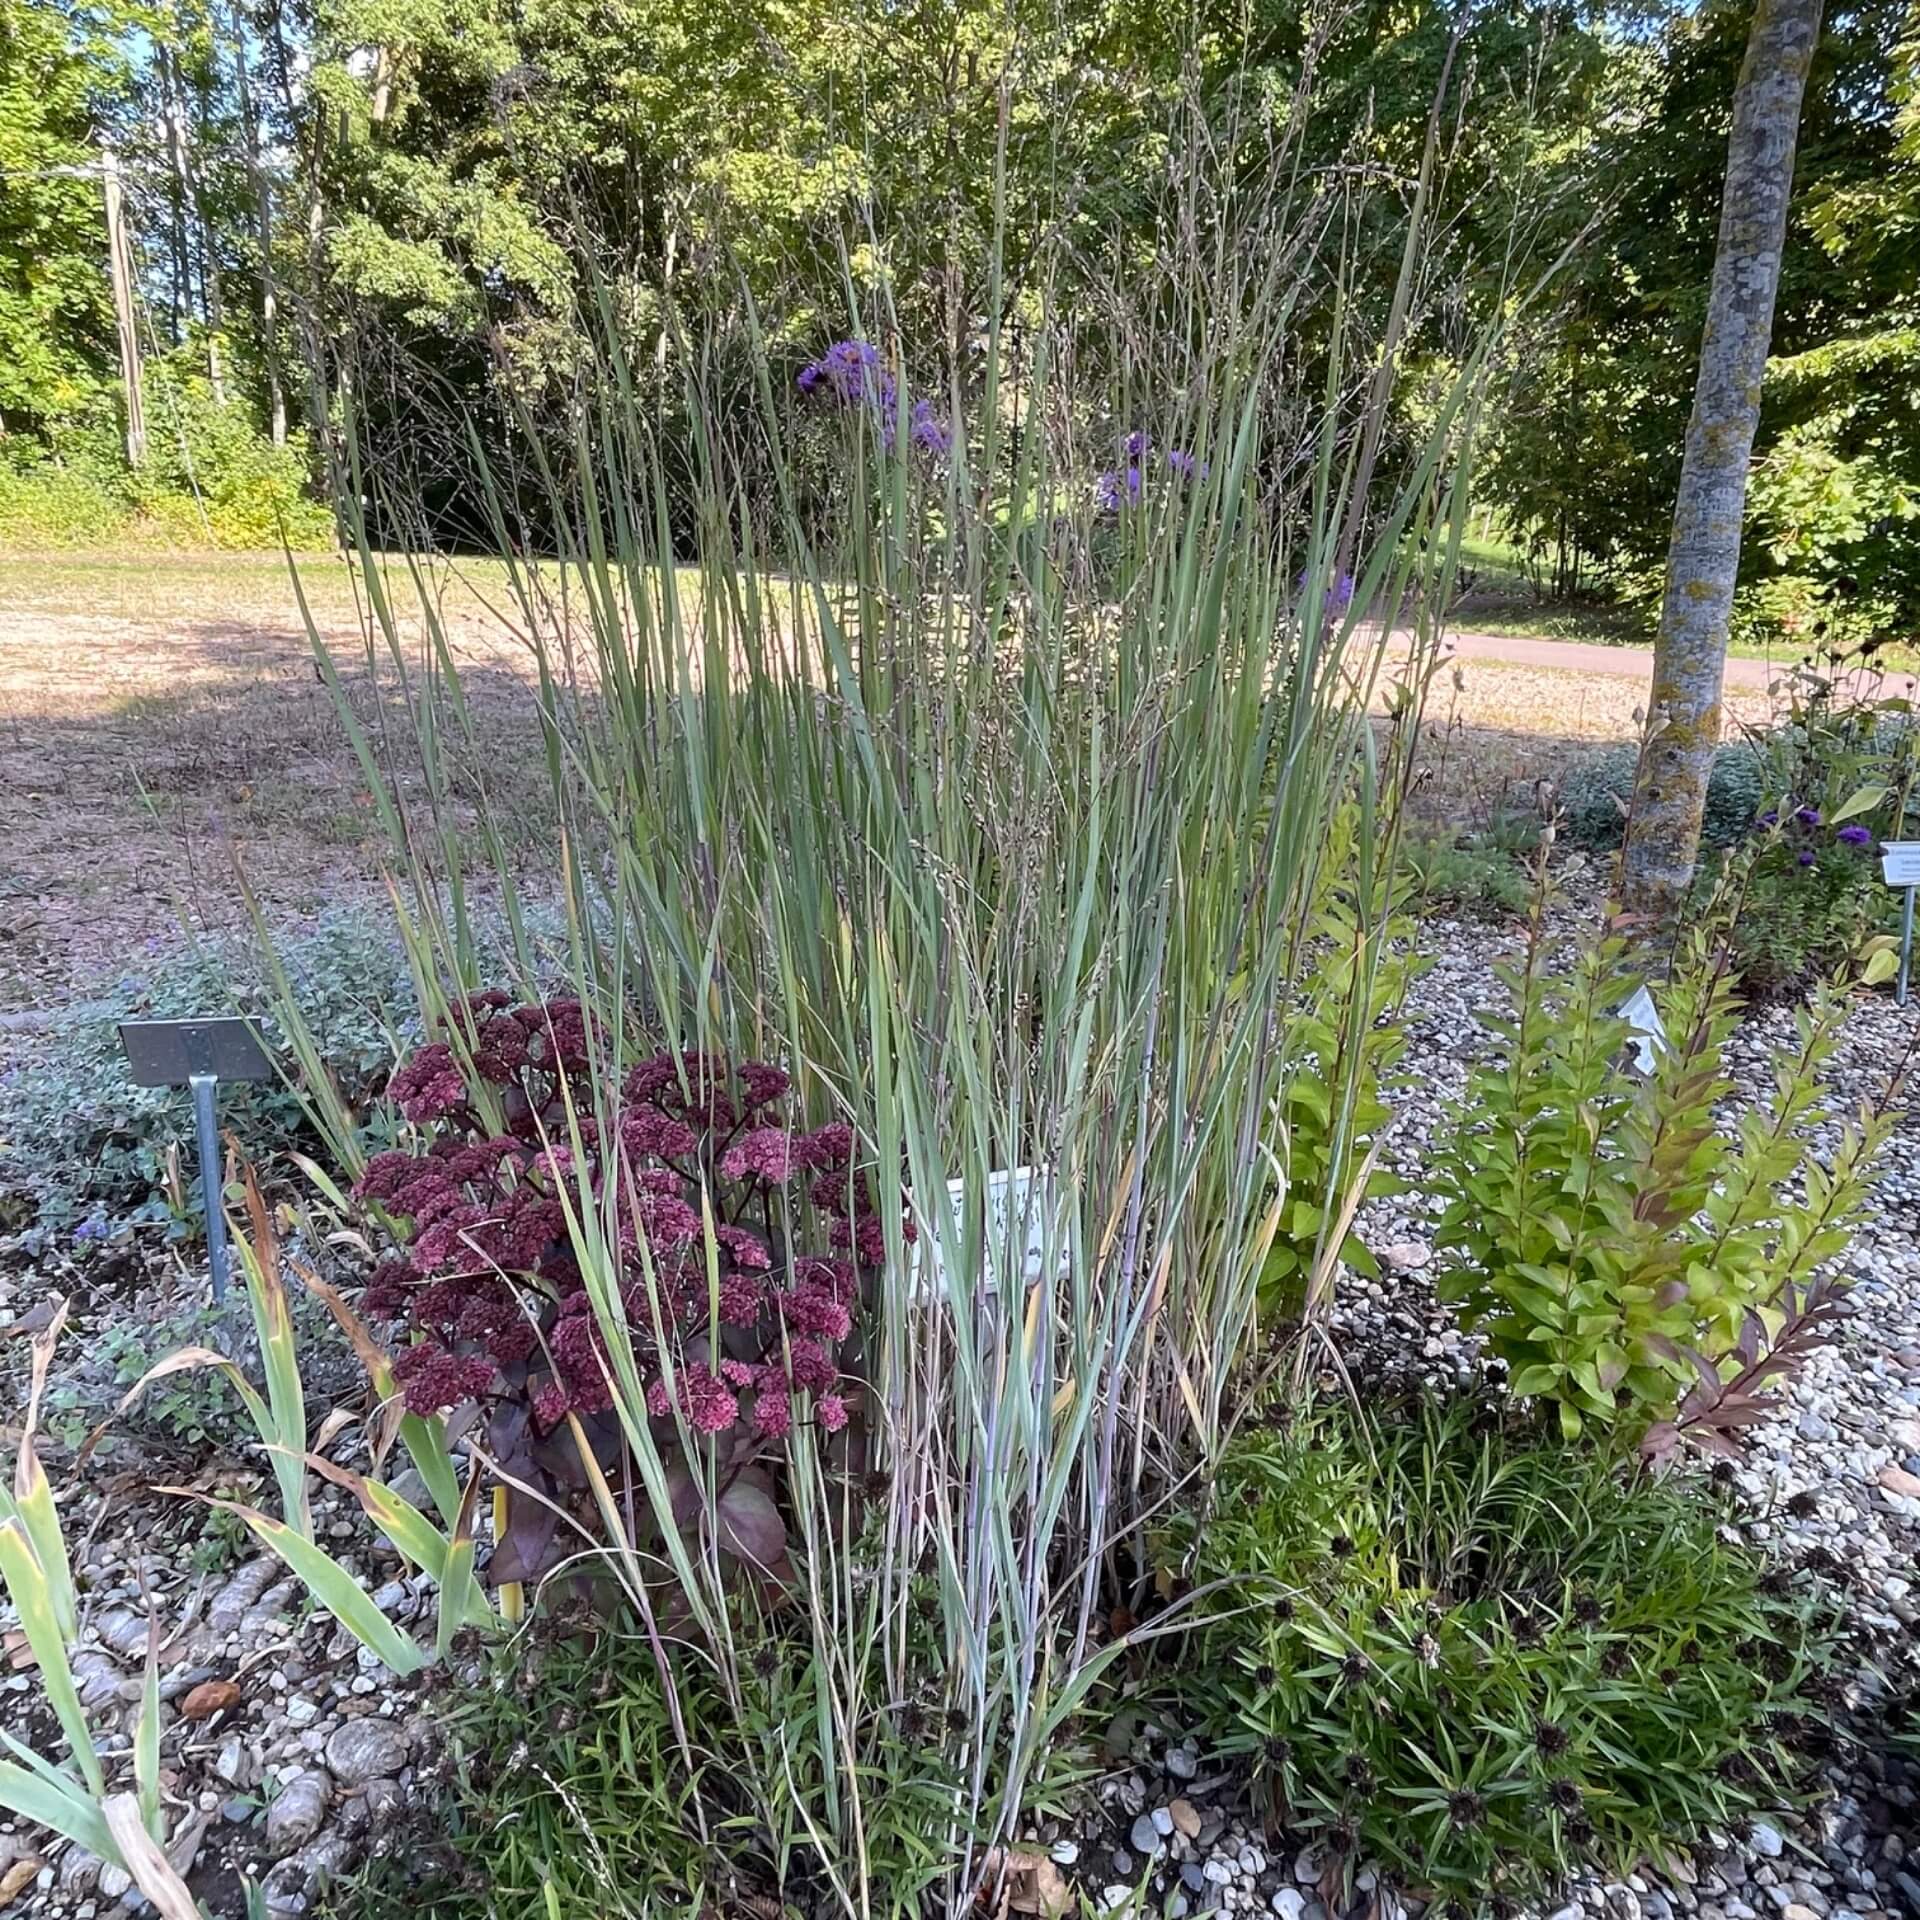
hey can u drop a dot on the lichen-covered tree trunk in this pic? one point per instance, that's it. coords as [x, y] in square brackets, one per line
[1683, 716]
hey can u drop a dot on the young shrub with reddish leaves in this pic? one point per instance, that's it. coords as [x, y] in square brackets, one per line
[736, 1333]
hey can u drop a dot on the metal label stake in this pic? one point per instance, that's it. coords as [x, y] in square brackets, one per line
[1900, 867]
[199, 1054]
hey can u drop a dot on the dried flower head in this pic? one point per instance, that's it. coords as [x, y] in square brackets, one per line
[1465, 1808]
[1355, 1668]
[1550, 1739]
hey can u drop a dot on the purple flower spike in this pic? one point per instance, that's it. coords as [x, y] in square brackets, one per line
[1805, 856]
[1856, 836]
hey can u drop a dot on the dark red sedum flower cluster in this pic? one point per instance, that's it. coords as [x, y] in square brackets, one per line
[485, 1277]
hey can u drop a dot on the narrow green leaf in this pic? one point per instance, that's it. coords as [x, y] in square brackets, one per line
[328, 1583]
[32, 1597]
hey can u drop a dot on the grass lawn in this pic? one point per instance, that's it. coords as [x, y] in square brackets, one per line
[138, 585]
[1499, 597]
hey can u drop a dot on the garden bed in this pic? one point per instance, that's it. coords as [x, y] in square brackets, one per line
[299, 1756]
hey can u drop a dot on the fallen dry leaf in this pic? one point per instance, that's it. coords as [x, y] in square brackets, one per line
[18, 1877]
[210, 1697]
[1021, 1881]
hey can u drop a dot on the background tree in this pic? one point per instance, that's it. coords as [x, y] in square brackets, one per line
[1683, 722]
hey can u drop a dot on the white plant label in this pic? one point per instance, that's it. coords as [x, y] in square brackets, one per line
[1649, 1035]
[1900, 862]
[1018, 1202]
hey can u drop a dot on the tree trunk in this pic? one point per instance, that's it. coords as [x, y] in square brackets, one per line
[125, 317]
[263, 235]
[1689, 660]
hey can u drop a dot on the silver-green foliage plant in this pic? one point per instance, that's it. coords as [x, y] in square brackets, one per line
[1616, 1247]
[88, 1150]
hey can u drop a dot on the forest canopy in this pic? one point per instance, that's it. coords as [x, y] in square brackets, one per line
[413, 210]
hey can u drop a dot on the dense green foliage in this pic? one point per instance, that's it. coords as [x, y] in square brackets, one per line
[434, 198]
[1482, 1658]
[1613, 1247]
[1587, 457]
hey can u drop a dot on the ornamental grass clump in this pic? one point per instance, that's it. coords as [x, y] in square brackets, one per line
[999, 822]
[1479, 1659]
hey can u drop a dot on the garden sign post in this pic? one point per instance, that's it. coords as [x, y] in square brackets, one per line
[199, 1054]
[1900, 866]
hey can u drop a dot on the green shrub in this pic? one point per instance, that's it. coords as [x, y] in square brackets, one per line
[1480, 1658]
[1811, 900]
[1596, 793]
[1467, 876]
[1348, 1042]
[1612, 1245]
[211, 479]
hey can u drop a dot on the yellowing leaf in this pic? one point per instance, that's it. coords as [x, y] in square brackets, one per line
[1862, 802]
[1880, 967]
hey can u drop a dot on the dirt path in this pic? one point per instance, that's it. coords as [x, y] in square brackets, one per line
[1584, 656]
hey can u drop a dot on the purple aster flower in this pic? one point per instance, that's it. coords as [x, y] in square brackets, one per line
[853, 373]
[1771, 818]
[1112, 491]
[1186, 466]
[1339, 591]
[928, 431]
[1136, 443]
[1807, 816]
[1805, 856]
[1855, 836]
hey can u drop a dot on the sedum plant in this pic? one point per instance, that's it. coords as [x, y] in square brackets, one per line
[747, 1242]
[1612, 1243]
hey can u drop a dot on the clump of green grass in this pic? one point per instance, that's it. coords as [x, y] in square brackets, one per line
[1482, 1658]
